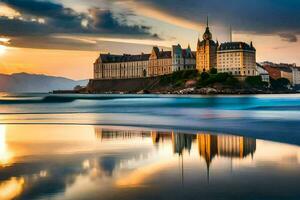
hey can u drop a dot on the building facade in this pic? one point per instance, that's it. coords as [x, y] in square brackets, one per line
[183, 59]
[296, 76]
[160, 62]
[237, 58]
[206, 55]
[264, 74]
[276, 71]
[108, 66]
[287, 73]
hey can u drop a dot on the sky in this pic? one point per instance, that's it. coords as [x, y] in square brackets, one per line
[64, 37]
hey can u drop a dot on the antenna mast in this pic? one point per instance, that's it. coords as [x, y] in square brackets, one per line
[230, 33]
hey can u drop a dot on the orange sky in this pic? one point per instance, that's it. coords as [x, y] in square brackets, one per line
[72, 64]
[72, 55]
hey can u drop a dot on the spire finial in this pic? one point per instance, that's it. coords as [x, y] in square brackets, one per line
[207, 21]
[207, 34]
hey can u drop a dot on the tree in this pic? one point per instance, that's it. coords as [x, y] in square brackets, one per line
[204, 76]
[213, 71]
[280, 84]
[232, 81]
[222, 77]
[255, 81]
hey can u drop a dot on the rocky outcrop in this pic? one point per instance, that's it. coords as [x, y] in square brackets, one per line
[132, 85]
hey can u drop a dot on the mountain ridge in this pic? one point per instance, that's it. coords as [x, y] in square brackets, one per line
[26, 82]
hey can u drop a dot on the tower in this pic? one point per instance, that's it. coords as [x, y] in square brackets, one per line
[206, 56]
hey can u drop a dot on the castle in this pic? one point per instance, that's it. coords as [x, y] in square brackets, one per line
[236, 58]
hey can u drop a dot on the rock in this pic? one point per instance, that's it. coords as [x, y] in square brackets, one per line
[187, 91]
[143, 92]
[207, 91]
[190, 83]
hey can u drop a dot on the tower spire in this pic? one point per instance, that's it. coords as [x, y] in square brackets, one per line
[207, 34]
[207, 21]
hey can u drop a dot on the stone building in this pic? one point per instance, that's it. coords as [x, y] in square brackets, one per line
[160, 62]
[237, 58]
[183, 59]
[108, 66]
[206, 56]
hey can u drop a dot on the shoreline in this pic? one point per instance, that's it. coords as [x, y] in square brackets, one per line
[184, 91]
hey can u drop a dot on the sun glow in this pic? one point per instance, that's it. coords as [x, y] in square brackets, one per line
[3, 41]
[2, 49]
[5, 155]
[12, 188]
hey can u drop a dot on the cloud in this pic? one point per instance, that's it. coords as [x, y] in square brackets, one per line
[289, 37]
[104, 21]
[40, 20]
[19, 27]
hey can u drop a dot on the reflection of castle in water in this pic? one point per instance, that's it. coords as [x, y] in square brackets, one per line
[209, 145]
[224, 146]
[110, 134]
[180, 141]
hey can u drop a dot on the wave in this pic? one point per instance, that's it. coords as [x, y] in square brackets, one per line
[277, 108]
[58, 99]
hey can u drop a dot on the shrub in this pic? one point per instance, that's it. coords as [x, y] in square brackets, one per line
[280, 84]
[255, 81]
[223, 78]
[178, 78]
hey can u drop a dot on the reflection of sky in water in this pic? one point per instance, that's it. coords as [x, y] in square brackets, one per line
[76, 162]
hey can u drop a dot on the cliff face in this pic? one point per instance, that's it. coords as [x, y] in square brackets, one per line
[122, 85]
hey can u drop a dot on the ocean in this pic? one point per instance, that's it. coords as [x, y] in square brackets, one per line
[149, 146]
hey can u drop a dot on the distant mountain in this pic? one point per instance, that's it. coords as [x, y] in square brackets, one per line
[23, 82]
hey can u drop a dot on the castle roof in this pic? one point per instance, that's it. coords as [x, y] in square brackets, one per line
[161, 53]
[185, 53]
[236, 46]
[110, 58]
[164, 54]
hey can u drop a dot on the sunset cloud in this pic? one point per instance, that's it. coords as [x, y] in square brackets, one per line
[264, 16]
[134, 26]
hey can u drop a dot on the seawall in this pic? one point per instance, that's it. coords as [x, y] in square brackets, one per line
[122, 85]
